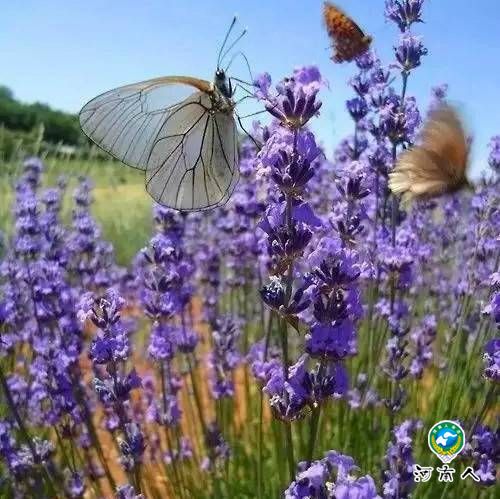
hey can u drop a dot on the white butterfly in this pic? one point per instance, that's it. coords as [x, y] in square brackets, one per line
[180, 130]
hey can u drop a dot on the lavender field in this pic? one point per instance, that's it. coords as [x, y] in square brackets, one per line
[298, 342]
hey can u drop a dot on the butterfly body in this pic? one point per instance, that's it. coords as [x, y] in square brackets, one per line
[439, 163]
[223, 85]
[349, 40]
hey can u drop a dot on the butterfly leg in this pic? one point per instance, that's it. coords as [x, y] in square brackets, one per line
[241, 83]
[258, 145]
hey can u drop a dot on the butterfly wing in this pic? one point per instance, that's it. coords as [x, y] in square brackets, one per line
[348, 38]
[124, 121]
[193, 164]
[439, 164]
[168, 127]
[418, 172]
[444, 135]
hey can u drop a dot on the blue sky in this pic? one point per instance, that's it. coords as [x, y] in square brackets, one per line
[64, 53]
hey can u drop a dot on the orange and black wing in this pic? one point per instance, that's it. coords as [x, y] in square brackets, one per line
[349, 40]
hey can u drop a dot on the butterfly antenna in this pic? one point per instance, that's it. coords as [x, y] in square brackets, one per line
[243, 33]
[219, 57]
[246, 62]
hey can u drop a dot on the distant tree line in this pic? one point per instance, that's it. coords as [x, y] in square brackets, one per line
[59, 127]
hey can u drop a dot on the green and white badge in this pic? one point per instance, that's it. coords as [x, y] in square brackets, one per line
[446, 439]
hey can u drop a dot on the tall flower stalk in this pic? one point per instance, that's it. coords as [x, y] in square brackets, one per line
[288, 154]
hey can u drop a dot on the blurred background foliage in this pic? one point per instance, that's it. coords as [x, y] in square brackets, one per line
[55, 136]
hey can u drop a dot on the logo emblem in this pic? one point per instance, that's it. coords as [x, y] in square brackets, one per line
[446, 439]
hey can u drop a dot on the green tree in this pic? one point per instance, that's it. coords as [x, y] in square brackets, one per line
[59, 126]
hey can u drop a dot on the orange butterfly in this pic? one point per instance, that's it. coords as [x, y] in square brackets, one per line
[349, 41]
[439, 164]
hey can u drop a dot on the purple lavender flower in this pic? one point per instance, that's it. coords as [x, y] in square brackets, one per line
[75, 485]
[422, 338]
[289, 397]
[366, 60]
[336, 307]
[184, 452]
[311, 482]
[286, 242]
[223, 358]
[334, 341]
[439, 94]
[291, 173]
[165, 410]
[398, 477]
[262, 83]
[404, 12]
[409, 52]
[263, 362]
[32, 170]
[127, 492]
[132, 447]
[357, 108]
[218, 449]
[492, 360]
[113, 385]
[397, 125]
[494, 157]
[111, 343]
[361, 84]
[296, 101]
[484, 448]
[90, 257]
[331, 477]
[274, 296]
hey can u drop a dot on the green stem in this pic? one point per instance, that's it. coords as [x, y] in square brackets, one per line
[395, 199]
[197, 398]
[315, 417]
[288, 427]
[289, 450]
[167, 436]
[488, 400]
[261, 413]
[260, 445]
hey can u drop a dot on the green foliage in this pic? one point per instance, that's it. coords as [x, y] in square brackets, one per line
[59, 126]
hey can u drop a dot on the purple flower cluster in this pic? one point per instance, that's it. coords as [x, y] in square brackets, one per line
[224, 358]
[165, 272]
[494, 157]
[423, 338]
[484, 449]
[398, 477]
[331, 477]
[289, 396]
[404, 12]
[109, 351]
[492, 348]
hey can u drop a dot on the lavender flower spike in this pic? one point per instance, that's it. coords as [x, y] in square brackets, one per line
[404, 12]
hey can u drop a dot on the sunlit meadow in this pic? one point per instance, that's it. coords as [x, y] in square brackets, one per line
[298, 342]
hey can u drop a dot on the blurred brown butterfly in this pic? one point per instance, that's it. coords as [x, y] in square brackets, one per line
[439, 164]
[348, 39]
